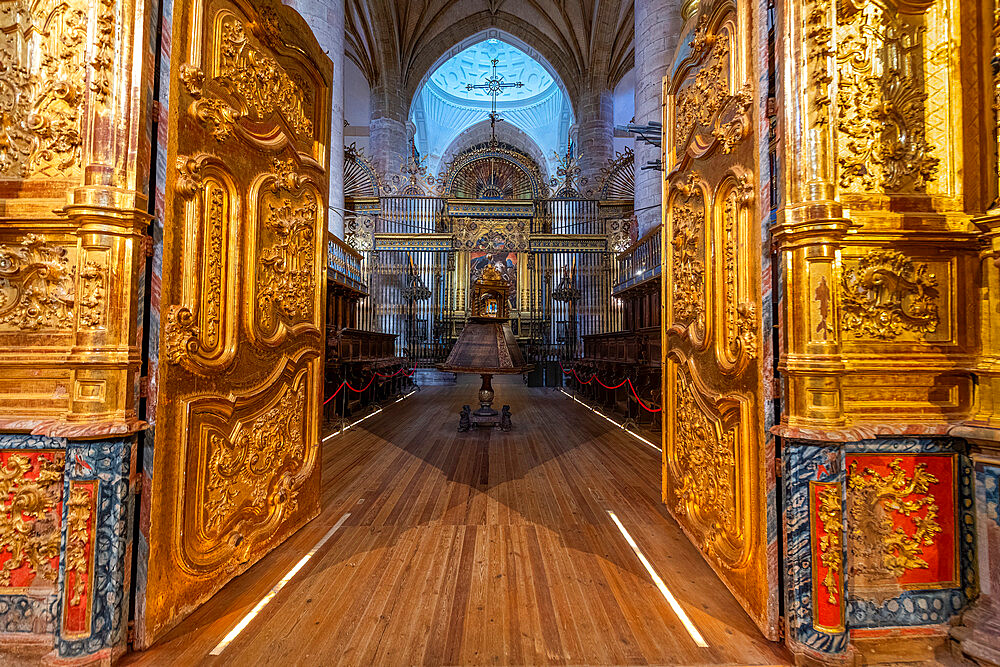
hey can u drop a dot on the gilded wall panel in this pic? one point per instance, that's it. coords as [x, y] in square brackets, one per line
[715, 470]
[243, 294]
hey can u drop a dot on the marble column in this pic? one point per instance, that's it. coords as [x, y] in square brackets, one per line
[326, 19]
[657, 28]
[595, 136]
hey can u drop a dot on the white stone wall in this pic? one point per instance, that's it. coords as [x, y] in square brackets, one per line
[326, 18]
[657, 27]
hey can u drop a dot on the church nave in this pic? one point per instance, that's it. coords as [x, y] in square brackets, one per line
[479, 548]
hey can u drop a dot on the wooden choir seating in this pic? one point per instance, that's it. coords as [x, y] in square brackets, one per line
[353, 354]
[633, 352]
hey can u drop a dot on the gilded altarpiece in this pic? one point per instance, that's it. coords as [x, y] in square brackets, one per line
[715, 467]
[240, 355]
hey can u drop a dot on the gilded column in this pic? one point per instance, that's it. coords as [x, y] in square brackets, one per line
[74, 173]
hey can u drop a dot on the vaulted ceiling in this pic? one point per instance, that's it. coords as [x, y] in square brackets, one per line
[396, 42]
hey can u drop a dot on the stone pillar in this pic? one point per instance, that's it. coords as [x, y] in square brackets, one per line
[327, 22]
[595, 136]
[387, 130]
[657, 28]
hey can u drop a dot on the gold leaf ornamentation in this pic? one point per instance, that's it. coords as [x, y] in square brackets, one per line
[93, 292]
[831, 544]
[180, 334]
[260, 81]
[252, 472]
[880, 550]
[819, 50]
[193, 79]
[103, 58]
[886, 293]
[287, 276]
[688, 269]
[78, 514]
[218, 117]
[42, 74]
[29, 521]
[880, 104]
[741, 317]
[697, 104]
[36, 286]
[706, 461]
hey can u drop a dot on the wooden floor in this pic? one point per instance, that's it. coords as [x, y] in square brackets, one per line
[479, 548]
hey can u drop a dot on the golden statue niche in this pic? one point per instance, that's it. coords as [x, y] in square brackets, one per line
[487, 347]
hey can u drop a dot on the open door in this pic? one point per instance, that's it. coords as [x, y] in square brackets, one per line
[717, 458]
[235, 467]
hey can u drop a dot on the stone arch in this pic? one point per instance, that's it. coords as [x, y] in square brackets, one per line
[506, 133]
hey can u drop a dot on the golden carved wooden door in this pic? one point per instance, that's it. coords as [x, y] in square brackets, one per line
[239, 382]
[715, 464]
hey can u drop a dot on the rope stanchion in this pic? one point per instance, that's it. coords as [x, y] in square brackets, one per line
[345, 383]
[623, 382]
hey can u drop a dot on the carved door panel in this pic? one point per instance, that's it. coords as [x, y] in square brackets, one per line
[715, 478]
[236, 465]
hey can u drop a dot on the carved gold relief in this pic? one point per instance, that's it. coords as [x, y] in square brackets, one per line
[697, 104]
[218, 117]
[30, 490]
[880, 101]
[103, 57]
[42, 74]
[263, 84]
[286, 283]
[78, 516]
[831, 545]
[251, 471]
[36, 286]
[687, 250]
[740, 321]
[886, 293]
[880, 551]
[705, 460]
[93, 294]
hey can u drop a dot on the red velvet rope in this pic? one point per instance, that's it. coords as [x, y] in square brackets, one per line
[347, 384]
[626, 380]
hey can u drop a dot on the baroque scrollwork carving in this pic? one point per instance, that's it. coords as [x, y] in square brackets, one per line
[42, 84]
[880, 551]
[687, 247]
[262, 83]
[741, 315]
[103, 57]
[36, 286]
[831, 550]
[29, 520]
[706, 461]
[218, 117]
[93, 294]
[252, 471]
[286, 280]
[880, 103]
[478, 234]
[887, 293]
[697, 104]
[78, 515]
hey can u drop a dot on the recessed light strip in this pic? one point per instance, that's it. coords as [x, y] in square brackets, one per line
[277, 587]
[353, 424]
[621, 426]
[671, 600]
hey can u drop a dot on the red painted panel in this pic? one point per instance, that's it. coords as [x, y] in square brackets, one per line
[32, 480]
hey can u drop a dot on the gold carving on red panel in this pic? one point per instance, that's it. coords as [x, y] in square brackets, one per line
[36, 286]
[30, 490]
[886, 293]
[831, 546]
[260, 81]
[881, 551]
[78, 516]
[41, 99]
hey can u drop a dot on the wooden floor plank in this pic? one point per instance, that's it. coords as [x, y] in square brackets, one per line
[479, 548]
